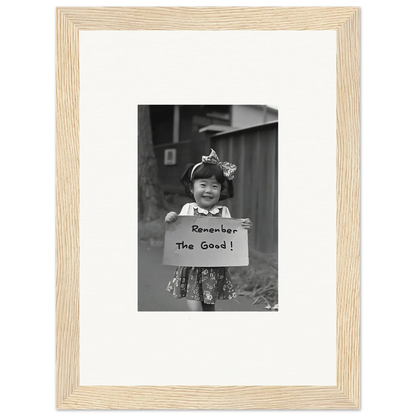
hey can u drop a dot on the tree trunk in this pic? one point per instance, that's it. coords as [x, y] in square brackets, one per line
[151, 198]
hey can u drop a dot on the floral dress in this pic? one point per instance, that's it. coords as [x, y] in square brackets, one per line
[205, 284]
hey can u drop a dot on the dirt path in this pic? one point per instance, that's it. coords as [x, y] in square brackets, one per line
[154, 277]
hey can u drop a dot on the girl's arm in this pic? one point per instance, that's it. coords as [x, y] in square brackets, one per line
[172, 216]
[245, 222]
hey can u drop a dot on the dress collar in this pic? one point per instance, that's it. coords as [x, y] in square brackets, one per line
[214, 210]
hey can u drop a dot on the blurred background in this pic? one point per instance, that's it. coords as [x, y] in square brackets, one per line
[170, 137]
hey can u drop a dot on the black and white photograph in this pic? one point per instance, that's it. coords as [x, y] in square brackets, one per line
[208, 208]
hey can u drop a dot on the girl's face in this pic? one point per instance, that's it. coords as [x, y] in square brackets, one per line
[206, 192]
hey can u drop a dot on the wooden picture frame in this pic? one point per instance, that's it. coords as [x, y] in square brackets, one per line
[70, 394]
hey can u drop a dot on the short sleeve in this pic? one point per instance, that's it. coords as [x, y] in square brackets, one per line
[226, 212]
[185, 210]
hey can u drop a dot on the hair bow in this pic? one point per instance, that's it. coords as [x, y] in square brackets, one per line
[228, 168]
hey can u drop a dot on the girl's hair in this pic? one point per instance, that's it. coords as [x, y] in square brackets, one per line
[203, 171]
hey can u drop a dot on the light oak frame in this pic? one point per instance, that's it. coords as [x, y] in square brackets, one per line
[69, 394]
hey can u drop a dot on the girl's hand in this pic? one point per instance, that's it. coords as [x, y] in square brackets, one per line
[246, 223]
[171, 217]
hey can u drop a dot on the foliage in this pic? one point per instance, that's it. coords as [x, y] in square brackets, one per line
[259, 280]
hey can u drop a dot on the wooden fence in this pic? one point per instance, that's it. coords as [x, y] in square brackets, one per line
[255, 152]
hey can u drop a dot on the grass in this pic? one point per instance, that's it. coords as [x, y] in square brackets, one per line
[258, 280]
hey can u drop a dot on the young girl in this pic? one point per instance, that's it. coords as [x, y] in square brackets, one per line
[206, 183]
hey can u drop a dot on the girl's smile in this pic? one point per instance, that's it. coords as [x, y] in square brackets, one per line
[206, 191]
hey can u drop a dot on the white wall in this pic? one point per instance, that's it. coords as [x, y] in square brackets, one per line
[244, 116]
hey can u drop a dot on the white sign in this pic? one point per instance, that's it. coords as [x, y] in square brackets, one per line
[205, 241]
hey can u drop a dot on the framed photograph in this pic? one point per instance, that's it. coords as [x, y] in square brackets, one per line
[208, 159]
